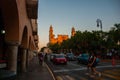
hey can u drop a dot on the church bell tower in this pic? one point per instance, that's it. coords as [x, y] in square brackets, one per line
[73, 31]
[51, 35]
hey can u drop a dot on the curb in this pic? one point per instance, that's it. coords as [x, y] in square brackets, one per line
[52, 74]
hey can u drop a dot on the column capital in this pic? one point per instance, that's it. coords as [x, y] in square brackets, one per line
[11, 43]
[23, 47]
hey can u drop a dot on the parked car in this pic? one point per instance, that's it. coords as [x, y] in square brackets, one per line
[83, 58]
[70, 56]
[59, 59]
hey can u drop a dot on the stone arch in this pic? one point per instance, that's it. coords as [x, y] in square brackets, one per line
[11, 20]
[24, 41]
[31, 48]
[31, 44]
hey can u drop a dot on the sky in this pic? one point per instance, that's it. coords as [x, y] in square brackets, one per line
[80, 14]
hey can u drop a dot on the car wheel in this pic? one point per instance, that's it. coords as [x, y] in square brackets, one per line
[78, 62]
[65, 63]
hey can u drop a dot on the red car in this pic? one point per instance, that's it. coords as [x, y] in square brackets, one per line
[59, 59]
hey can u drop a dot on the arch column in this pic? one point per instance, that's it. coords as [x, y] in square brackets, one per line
[27, 61]
[23, 59]
[12, 50]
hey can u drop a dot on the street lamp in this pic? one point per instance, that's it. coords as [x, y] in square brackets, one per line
[2, 31]
[99, 23]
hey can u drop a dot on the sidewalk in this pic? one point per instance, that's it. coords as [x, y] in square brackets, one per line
[36, 72]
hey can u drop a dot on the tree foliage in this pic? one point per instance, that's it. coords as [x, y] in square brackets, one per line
[86, 41]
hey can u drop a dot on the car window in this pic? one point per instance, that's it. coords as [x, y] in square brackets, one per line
[85, 55]
[59, 56]
[69, 54]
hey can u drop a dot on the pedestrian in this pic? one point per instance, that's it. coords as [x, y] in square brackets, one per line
[89, 62]
[41, 58]
[46, 57]
[94, 64]
[113, 59]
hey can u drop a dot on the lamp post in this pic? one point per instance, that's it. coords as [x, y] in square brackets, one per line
[99, 23]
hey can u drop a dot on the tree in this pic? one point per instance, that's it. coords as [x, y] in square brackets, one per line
[86, 41]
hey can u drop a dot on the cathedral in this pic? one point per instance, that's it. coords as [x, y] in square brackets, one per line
[60, 38]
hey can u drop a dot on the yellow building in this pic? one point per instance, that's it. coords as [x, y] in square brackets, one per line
[60, 37]
[18, 32]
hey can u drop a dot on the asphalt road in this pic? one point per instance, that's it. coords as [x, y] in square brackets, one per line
[75, 71]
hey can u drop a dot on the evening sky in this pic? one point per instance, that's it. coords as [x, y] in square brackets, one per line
[80, 14]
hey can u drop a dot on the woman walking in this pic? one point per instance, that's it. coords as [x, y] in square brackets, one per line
[89, 63]
[94, 64]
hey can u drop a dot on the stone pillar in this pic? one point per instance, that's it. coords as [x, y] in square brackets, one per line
[27, 58]
[12, 50]
[23, 59]
[30, 55]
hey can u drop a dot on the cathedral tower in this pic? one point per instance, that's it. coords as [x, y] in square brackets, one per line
[60, 37]
[73, 31]
[51, 35]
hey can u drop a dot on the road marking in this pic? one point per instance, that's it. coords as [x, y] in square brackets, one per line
[111, 76]
[73, 64]
[58, 78]
[81, 78]
[82, 68]
[116, 70]
[107, 66]
[95, 77]
[112, 72]
[50, 71]
[98, 78]
[69, 78]
[67, 70]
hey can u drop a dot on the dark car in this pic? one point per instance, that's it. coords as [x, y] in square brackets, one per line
[52, 56]
[70, 56]
[59, 59]
[83, 58]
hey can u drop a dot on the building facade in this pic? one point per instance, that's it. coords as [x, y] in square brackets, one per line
[19, 35]
[60, 37]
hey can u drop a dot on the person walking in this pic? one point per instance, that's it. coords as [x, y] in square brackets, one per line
[89, 63]
[41, 58]
[94, 64]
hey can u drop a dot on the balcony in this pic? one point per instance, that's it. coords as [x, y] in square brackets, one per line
[34, 26]
[32, 8]
[35, 37]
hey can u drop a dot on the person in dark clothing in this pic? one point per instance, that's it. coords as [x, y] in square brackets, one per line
[40, 57]
[89, 62]
[46, 57]
[94, 64]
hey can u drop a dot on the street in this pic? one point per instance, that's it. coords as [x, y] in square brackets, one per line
[75, 71]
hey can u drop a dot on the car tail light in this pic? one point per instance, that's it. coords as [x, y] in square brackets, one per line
[65, 59]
